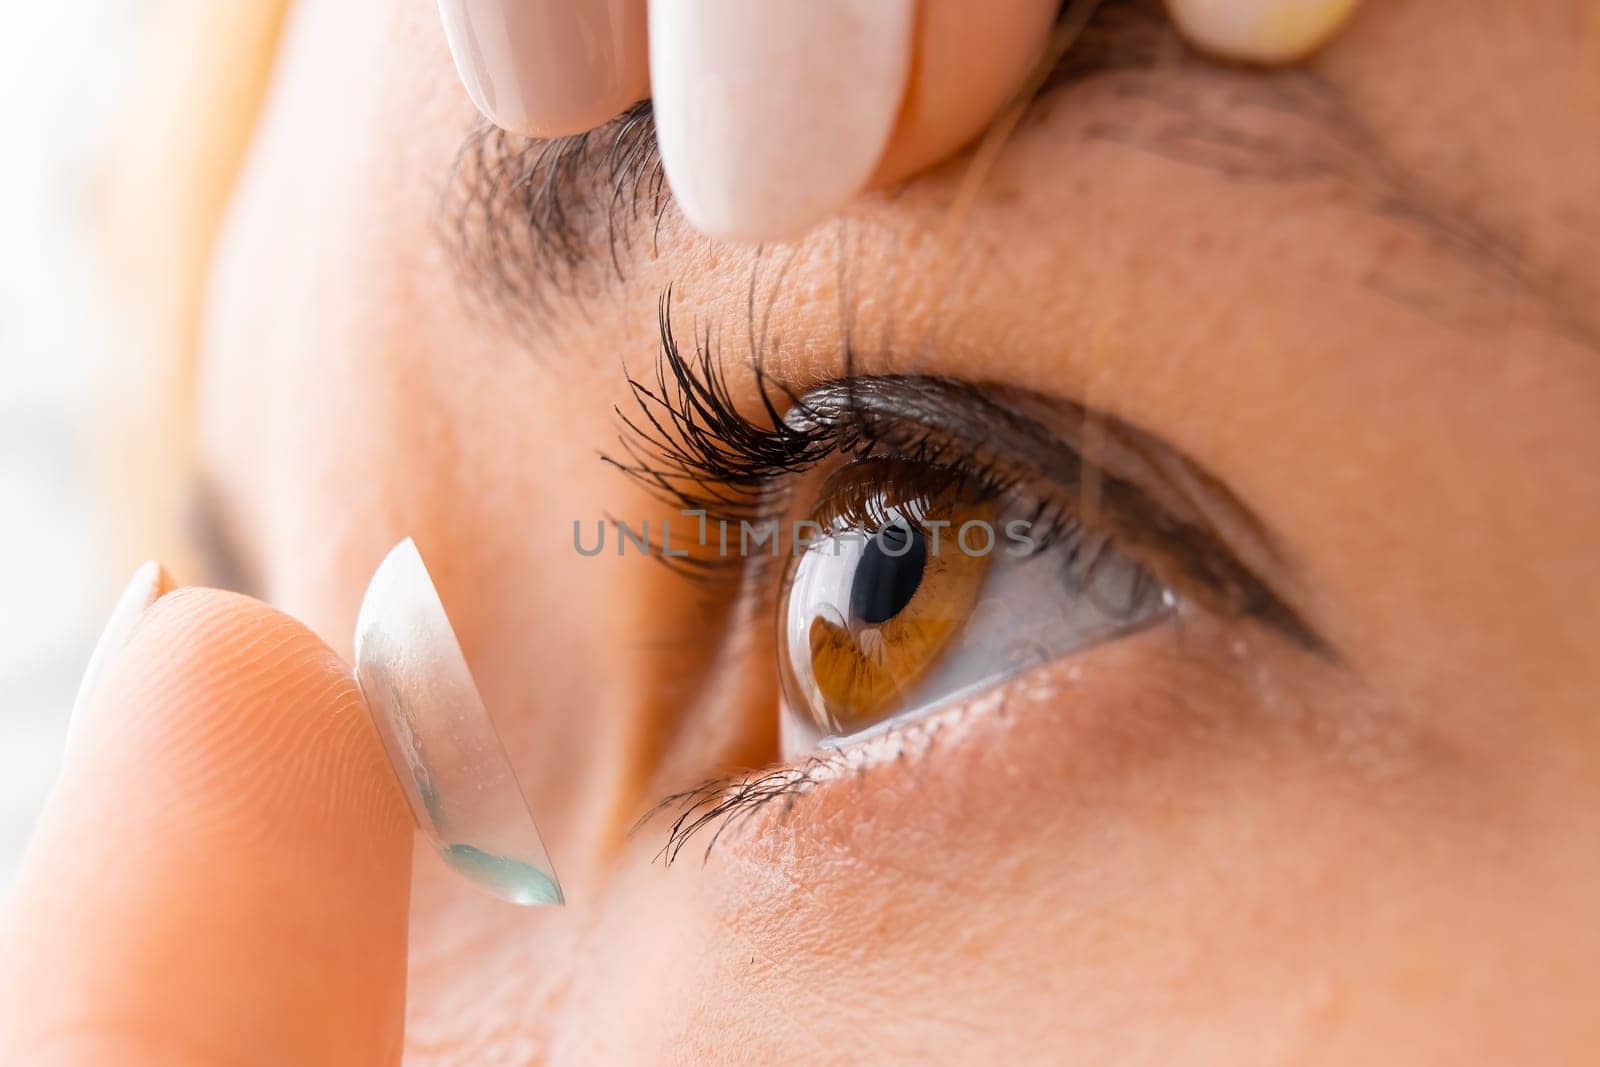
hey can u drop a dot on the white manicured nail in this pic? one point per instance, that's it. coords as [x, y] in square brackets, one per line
[545, 68]
[1259, 31]
[149, 581]
[772, 114]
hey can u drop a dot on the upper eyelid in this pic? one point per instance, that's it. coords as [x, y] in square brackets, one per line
[1145, 490]
[1146, 494]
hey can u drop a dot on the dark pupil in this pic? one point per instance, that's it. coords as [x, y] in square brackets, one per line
[888, 574]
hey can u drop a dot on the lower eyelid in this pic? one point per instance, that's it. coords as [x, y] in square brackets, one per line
[1175, 719]
[1072, 706]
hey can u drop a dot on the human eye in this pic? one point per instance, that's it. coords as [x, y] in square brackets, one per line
[944, 536]
[925, 583]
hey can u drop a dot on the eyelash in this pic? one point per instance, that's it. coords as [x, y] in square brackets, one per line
[688, 444]
[724, 802]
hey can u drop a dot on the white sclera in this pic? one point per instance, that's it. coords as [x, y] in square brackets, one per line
[441, 742]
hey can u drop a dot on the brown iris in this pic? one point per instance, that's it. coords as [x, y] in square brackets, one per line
[869, 612]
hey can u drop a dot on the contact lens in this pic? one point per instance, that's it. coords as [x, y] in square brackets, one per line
[440, 739]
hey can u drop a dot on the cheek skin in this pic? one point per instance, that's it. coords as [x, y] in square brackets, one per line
[1150, 840]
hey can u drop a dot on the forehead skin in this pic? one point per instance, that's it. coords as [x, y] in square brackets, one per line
[1366, 302]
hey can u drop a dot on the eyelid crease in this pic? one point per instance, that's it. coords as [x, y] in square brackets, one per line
[1158, 505]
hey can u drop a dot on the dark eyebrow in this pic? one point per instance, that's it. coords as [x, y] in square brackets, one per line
[531, 221]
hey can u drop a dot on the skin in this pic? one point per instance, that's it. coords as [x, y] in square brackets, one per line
[1201, 844]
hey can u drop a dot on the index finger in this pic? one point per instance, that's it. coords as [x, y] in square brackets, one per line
[222, 873]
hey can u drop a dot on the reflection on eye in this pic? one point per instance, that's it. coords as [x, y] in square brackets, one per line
[922, 587]
[885, 593]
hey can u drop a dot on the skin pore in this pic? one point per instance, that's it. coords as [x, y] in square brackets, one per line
[1360, 294]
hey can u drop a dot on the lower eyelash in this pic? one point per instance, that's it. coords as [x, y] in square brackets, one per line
[726, 802]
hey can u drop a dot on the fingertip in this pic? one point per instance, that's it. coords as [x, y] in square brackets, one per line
[549, 68]
[771, 116]
[226, 855]
[209, 676]
[970, 61]
[1268, 32]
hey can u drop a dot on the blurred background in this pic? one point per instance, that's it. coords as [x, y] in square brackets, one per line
[63, 65]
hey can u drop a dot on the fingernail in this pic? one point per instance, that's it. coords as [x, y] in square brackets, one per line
[1259, 31]
[441, 742]
[146, 586]
[545, 68]
[772, 115]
